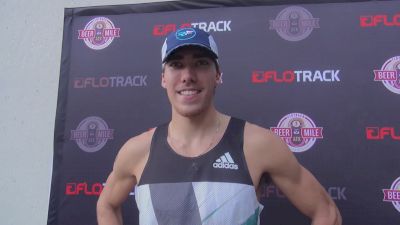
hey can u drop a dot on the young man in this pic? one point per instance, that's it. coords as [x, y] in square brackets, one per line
[204, 167]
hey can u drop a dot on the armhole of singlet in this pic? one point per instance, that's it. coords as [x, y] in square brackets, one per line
[241, 135]
[154, 138]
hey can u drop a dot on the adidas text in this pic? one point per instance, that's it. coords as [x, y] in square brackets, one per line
[225, 166]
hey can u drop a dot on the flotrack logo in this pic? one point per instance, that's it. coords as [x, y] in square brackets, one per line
[110, 81]
[211, 26]
[376, 20]
[389, 74]
[298, 131]
[295, 76]
[99, 33]
[393, 194]
[85, 188]
[337, 193]
[294, 23]
[92, 134]
[380, 133]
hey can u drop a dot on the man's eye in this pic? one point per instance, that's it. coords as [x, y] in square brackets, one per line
[175, 65]
[202, 62]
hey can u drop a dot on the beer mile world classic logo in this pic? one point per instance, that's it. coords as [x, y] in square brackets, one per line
[389, 74]
[92, 134]
[99, 33]
[294, 23]
[298, 131]
[393, 194]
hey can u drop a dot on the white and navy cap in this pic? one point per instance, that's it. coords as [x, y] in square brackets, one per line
[188, 37]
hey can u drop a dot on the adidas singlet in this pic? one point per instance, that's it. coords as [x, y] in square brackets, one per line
[214, 188]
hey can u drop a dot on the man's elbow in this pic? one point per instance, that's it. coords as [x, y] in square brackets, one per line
[101, 209]
[337, 217]
[328, 215]
[107, 212]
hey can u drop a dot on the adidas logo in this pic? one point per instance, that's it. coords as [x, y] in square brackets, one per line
[225, 162]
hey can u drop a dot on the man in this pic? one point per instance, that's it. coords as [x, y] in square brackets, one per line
[204, 167]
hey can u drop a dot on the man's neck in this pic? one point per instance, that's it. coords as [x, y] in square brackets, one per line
[197, 125]
[194, 136]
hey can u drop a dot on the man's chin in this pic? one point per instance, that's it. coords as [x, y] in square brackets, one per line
[190, 112]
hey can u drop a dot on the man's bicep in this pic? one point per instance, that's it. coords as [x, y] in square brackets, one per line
[121, 180]
[301, 188]
[117, 188]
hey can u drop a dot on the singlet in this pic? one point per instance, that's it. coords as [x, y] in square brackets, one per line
[214, 188]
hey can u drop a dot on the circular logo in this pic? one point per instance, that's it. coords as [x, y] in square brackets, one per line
[92, 134]
[294, 23]
[99, 33]
[393, 194]
[298, 131]
[389, 74]
[185, 34]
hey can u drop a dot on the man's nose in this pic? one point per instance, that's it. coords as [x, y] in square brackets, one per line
[189, 74]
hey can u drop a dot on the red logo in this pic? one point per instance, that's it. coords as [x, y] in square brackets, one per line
[214, 26]
[83, 189]
[164, 29]
[379, 133]
[375, 20]
[267, 76]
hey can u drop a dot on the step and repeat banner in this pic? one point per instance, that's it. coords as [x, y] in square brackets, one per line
[325, 77]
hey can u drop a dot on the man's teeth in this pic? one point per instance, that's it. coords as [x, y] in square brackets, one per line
[189, 92]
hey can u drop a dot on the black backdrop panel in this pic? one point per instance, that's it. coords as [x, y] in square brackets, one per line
[323, 76]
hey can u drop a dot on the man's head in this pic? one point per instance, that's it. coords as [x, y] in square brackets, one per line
[190, 71]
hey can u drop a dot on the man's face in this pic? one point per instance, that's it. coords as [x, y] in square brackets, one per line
[190, 77]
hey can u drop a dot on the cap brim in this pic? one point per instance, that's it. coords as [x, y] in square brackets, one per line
[188, 44]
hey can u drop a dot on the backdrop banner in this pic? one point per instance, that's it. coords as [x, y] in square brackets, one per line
[324, 76]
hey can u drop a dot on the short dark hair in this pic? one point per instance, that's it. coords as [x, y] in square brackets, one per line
[207, 53]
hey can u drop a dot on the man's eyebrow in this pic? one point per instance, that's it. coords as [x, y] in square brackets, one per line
[201, 55]
[175, 57]
[196, 55]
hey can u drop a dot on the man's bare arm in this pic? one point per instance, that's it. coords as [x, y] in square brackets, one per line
[128, 166]
[271, 155]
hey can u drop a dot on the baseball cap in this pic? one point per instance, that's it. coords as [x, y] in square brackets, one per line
[189, 36]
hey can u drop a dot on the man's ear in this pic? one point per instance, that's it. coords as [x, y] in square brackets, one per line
[219, 78]
[163, 80]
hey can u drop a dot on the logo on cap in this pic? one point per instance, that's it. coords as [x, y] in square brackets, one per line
[185, 34]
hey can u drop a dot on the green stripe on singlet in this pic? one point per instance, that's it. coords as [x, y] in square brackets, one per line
[219, 207]
[253, 219]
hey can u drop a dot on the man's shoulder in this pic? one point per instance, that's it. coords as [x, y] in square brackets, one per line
[133, 153]
[265, 151]
[139, 143]
[256, 132]
[260, 140]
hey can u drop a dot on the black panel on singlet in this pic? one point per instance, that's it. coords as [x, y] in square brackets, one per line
[166, 166]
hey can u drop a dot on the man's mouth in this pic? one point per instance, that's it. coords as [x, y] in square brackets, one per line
[189, 92]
